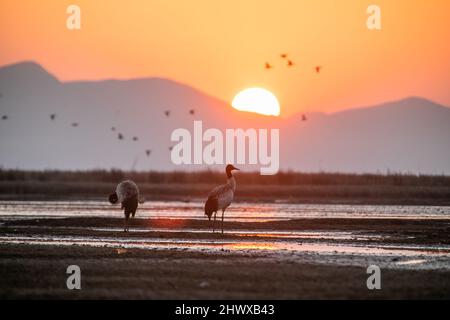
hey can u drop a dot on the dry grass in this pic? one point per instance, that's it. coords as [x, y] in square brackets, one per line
[289, 186]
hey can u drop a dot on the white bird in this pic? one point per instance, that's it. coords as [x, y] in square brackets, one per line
[127, 193]
[221, 196]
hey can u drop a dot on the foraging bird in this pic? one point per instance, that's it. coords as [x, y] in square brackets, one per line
[127, 194]
[5, 117]
[167, 113]
[75, 124]
[268, 66]
[52, 116]
[318, 69]
[290, 63]
[148, 152]
[120, 136]
[135, 138]
[192, 111]
[304, 117]
[283, 55]
[221, 196]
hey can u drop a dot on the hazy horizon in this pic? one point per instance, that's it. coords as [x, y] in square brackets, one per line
[408, 135]
[354, 87]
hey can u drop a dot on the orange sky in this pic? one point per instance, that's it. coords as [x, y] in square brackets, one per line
[220, 47]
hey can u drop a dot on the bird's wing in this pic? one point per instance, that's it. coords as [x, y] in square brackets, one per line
[219, 190]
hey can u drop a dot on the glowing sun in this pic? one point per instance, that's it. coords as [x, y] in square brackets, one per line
[257, 100]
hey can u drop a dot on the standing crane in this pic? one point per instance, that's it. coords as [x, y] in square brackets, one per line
[221, 196]
[127, 194]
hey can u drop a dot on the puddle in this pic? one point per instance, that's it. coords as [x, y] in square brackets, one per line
[411, 262]
[276, 234]
[232, 245]
[237, 212]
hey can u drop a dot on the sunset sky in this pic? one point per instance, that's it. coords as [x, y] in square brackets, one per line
[220, 47]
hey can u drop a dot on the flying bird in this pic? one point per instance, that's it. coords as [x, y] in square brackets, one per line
[148, 152]
[75, 124]
[120, 136]
[192, 111]
[221, 196]
[127, 193]
[318, 68]
[268, 66]
[52, 116]
[167, 113]
[290, 63]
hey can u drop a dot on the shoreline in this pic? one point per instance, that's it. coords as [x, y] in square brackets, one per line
[331, 192]
[240, 199]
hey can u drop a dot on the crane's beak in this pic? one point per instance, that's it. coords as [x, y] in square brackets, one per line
[234, 168]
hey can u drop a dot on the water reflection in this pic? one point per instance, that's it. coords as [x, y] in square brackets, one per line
[237, 212]
[339, 246]
[232, 245]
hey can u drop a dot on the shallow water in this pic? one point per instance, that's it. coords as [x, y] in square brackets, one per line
[323, 247]
[386, 256]
[237, 212]
[232, 245]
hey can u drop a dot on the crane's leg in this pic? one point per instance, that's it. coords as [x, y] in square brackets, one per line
[214, 222]
[125, 227]
[223, 211]
[127, 215]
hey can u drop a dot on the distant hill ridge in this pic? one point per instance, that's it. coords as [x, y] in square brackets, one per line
[410, 135]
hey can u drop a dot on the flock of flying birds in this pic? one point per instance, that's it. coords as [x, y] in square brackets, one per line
[284, 56]
[289, 63]
[120, 136]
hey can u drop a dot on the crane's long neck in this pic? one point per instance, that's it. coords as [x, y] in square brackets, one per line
[232, 182]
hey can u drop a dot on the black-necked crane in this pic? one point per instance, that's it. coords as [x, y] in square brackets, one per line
[221, 196]
[4, 117]
[148, 152]
[53, 116]
[192, 112]
[127, 194]
[268, 66]
[318, 68]
[283, 55]
[290, 63]
[75, 124]
[167, 113]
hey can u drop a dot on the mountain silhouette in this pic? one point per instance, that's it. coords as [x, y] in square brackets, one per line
[409, 135]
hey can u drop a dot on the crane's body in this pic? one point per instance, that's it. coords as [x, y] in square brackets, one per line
[127, 194]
